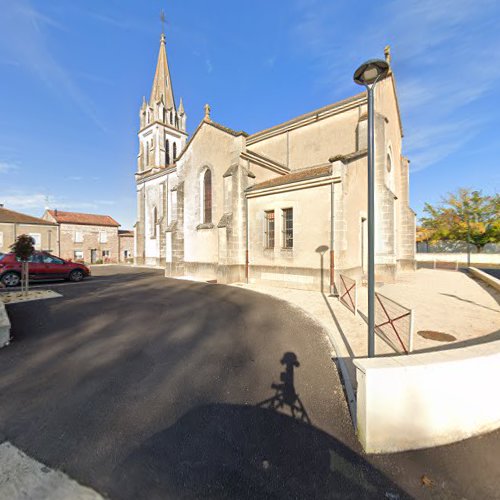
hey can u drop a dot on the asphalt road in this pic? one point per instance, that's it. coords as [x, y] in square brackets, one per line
[495, 272]
[146, 387]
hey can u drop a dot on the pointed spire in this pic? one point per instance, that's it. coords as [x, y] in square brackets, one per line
[181, 107]
[162, 86]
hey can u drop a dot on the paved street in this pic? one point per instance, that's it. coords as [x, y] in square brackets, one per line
[144, 387]
[492, 271]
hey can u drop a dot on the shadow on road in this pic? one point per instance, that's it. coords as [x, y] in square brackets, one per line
[286, 398]
[240, 451]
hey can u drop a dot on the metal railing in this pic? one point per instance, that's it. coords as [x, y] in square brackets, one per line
[394, 323]
[348, 293]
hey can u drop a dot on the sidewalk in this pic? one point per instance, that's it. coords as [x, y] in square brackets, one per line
[445, 301]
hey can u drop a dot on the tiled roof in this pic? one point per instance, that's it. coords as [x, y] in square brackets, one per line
[79, 218]
[299, 175]
[125, 232]
[11, 216]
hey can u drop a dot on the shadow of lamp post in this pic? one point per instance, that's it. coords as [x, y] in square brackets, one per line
[368, 74]
[322, 250]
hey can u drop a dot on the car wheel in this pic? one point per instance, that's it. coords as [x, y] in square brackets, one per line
[11, 279]
[76, 275]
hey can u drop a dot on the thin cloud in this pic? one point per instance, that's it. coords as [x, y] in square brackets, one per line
[23, 36]
[39, 201]
[445, 57]
[6, 167]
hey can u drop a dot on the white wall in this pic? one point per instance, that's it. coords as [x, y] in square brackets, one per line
[461, 258]
[431, 399]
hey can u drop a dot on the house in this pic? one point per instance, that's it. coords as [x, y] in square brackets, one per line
[85, 237]
[227, 205]
[13, 224]
[126, 245]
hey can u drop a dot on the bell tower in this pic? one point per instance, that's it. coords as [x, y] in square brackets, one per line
[162, 134]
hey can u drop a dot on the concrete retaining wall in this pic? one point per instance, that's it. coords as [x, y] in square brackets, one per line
[424, 400]
[487, 278]
[4, 326]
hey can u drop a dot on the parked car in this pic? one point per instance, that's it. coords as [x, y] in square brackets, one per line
[42, 266]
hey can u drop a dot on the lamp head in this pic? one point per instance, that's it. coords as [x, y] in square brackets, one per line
[371, 72]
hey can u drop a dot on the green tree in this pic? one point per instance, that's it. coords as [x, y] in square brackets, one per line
[466, 215]
[23, 248]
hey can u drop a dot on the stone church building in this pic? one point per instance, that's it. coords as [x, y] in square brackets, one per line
[271, 206]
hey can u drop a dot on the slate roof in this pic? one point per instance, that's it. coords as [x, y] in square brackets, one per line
[7, 215]
[80, 218]
[296, 176]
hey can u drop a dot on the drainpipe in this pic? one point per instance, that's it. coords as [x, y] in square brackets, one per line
[332, 239]
[247, 240]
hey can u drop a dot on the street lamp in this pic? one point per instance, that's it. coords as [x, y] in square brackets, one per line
[368, 74]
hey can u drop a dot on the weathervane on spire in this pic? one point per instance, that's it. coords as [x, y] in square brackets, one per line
[162, 19]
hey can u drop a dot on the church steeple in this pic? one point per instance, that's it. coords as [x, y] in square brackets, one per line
[162, 134]
[162, 84]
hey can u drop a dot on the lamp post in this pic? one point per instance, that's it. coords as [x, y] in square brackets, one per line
[368, 74]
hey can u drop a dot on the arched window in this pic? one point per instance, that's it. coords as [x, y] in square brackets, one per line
[167, 152]
[174, 147]
[207, 196]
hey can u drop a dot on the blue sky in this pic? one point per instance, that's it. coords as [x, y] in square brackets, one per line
[73, 74]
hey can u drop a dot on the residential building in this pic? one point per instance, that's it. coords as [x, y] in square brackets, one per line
[126, 245]
[13, 224]
[283, 206]
[86, 237]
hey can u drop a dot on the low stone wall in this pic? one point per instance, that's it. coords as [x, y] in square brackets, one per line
[487, 278]
[303, 278]
[425, 400]
[4, 326]
[461, 258]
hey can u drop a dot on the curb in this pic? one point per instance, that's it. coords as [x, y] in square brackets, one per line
[4, 326]
[487, 278]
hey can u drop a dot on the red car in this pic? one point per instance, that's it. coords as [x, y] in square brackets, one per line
[42, 266]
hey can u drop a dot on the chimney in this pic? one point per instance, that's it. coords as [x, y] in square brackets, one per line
[55, 212]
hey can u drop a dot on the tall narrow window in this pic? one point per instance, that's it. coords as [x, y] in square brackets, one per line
[287, 227]
[207, 196]
[171, 118]
[154, 222]
[174, 148]
[269, 229]
[147, 154]
[167, 152]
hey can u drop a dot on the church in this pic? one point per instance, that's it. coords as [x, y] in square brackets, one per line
[284, 206]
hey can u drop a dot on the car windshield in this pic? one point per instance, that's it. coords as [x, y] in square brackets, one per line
[2, 255]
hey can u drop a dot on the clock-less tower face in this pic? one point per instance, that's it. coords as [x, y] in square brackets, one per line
[162, 134]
